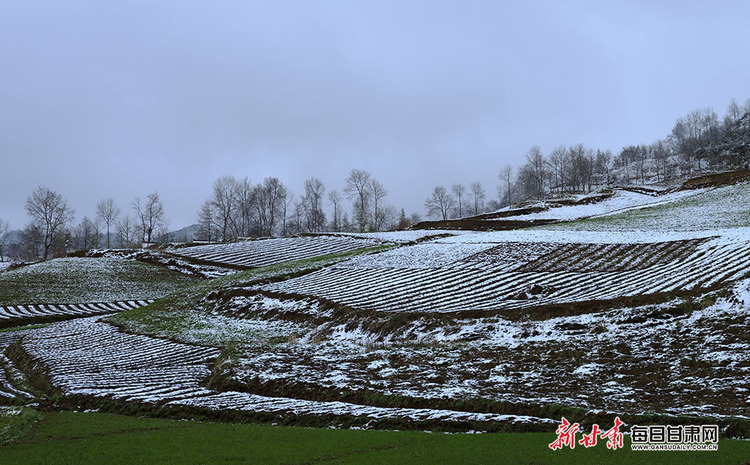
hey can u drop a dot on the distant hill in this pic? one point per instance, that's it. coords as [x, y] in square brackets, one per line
[186, 234]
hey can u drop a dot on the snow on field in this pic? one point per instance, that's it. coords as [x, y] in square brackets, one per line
[683, 356]
[10, 315]
[218, 330]
[558, 234]
[256, 253]
[9, 375]
[469, 276]
[621, 201]
[85, 357]
[79, 279]
[403, 237]
[167, 260]
[663, 358]
[426, 255]
[718, 208]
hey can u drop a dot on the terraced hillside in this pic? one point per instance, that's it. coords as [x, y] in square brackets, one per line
[511, 275]
[84, 279]
[263, 252]
[66, 288]
[478, 330]
[14, 315]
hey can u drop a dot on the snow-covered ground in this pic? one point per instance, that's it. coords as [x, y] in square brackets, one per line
[86, 357]
[719, 208]
[620, 202]
[654, 358]
[404, 322]
[263, 252]
[10, 315]
[403, 237]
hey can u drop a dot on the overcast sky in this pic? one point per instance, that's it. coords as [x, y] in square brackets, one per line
[120, 99]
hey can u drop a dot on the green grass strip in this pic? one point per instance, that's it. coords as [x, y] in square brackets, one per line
[96, 438]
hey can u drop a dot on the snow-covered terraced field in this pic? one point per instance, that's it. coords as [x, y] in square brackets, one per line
[652, 358]
[621, 201]
[9, 392]
[88, 279]
[86, 357]
[264, 252]
[702, 209]
[9, 314]
[522, 275]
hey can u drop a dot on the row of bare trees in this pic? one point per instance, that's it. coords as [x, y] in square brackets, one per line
[238, 208]
[698, 141]
[51, 231]
[457, 203]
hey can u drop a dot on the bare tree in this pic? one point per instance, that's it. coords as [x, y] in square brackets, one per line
[734, 113]
[440, 203]
[107, 212]
[377, 193]
[356, 189]
[32, 241]
[299, 213]
[50, 212]
[4, 230]
[506, 176]
[87, 234]
[288, 202]
[334, 200]
[388, 218]
[244, 220]
[557, 164]
[459, 190]
[268, 199]
[151, 216]
[206, 226]
[533, 175]
[478, 195]
[313, 204]
[346, 226]
[603, 163]
[223, 203]
[125, 232]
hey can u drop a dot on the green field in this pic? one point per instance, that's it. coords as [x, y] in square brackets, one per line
[98, 438]
[75, 280]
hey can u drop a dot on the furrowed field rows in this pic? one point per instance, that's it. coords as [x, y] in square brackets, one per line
[8, 390]
[479, 282]
[90, 358]
[86, 357]
[25, 312]
[271, 251]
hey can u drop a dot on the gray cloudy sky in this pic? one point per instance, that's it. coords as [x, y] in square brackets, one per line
[119, 99]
